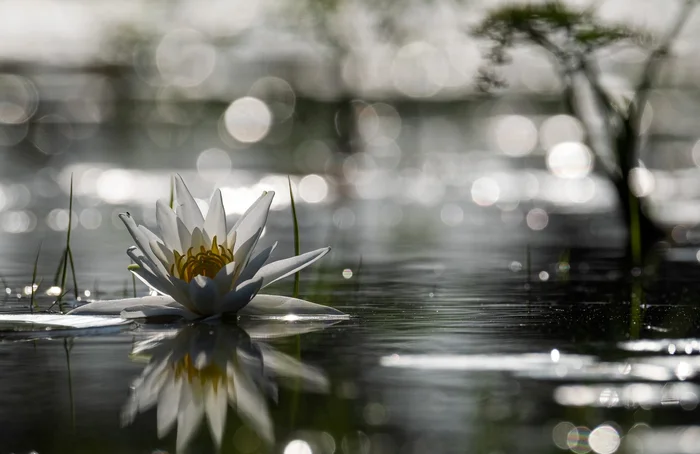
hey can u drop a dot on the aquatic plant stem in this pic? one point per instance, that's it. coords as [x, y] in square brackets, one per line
[635, 232]
[172, 192]
[4, 287]
[528, 265]
[296, 388]
[65, 257]
[72, 272]
[133, 282]
[59, 269]
[32, 302]
[297, 248]
[67, 349]
[636, 301]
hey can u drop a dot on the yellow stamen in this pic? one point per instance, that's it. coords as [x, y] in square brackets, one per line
[204, 262]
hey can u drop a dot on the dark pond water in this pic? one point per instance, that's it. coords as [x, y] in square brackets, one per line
[478, 336]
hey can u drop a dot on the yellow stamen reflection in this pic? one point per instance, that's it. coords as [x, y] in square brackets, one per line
[211, 374]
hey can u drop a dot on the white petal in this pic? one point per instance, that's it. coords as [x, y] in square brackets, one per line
[165, 253]
[114, 307]
[166, 285]
[146, 311]
[184, 289]
[140, 258]
[215, 405]
[224, 278]
[198, 240]
[167, 223]
[256, 263]
[236, 299]
[162, 253]
[185, 235]
[187, 208]
[215, 224]
[231, 239]
[253, 220]
[190, 414]
[150, 235]
[204, 295]
[142, 241]
[283, 268]
[285, 307]
[168, 403]
[242, 252]
[153, 282]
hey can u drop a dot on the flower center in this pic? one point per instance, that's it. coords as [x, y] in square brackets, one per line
[206, 262]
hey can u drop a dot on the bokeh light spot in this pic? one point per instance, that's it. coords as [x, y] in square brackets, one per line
[560, 128]
[515, 135]
[560, 434]
[277, 94]
[17, 221]
[604, 439]
[485, 191]
[570, 160]
[537, 219]
[115, 185]
[642, 181]
[90, 218]
[248, 119]
[577, 440]
[18, 99]
[297, 447]
[313, 188]
[184, 58]
[452, 214]
[419, 70]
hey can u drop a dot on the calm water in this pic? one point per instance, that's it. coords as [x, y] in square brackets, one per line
[476, 336]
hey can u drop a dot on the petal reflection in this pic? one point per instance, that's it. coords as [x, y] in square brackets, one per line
[203, 370]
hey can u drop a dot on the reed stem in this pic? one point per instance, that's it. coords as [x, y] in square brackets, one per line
[297, 275]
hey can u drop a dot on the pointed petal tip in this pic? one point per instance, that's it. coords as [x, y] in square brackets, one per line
[284, 308]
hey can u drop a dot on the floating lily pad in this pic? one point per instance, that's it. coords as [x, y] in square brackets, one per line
[31, 324]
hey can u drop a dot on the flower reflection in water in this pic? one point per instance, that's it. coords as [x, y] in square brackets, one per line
[205, 368]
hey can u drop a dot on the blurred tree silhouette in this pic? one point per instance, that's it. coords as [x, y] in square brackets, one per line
[572, 38]
[329, 22]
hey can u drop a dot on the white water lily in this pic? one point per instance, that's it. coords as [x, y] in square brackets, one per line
[205, 369]
[204, 267]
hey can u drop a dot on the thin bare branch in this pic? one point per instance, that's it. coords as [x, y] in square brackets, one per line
[655, 60]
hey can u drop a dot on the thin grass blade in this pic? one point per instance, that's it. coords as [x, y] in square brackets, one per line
[67, 253]
[72, 272]
[172, 192]
[297, 249]
[133, 282]
[32, 302]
